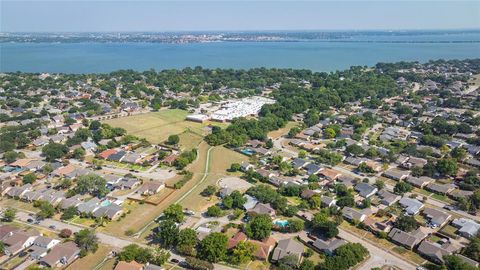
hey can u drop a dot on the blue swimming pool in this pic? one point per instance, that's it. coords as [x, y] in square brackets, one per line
[105, 203]
[281, 222]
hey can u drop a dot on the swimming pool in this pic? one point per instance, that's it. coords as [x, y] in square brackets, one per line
[281, 222]
[105, 203]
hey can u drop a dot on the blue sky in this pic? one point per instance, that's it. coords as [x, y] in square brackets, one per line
[81, 16]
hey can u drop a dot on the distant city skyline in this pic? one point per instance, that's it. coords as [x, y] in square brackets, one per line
[169, 16]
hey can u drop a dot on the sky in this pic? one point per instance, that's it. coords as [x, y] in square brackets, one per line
[198, 15]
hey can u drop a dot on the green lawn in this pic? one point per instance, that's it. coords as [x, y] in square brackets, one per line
[157, 126]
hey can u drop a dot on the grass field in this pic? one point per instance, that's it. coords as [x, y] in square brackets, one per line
[91, 260]
[278, 133]
[157, 126]
[220, 160]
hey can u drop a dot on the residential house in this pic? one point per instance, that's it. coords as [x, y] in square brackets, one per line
[436, 218]
[411, 206]
[442, 189]
[133, 265]
[396, 174]
[387, 198]
[61, 255]
[466, 227]
[329, 174]
[18, 241]
[111, 211]
[327, 201]
[408, 240]
[262, 209]
[351, 214]
[365, 190]
[312, 168]
[328, 246]
[419, 182]
[288, 247]
[436, 251]
[150, 188]
[250, 203]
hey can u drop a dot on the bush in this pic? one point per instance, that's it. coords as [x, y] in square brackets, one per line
[65, 233]
[198, 264]
[187, 176]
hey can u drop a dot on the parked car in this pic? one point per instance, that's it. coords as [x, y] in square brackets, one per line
[174, 261]
[53, 227]
[29, 220]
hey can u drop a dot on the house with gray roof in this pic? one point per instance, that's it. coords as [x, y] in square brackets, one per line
[365, 190]
[408, 240]
[436, 217]
[89, 207]
[466, 227]
[387, 198]
[312, 168]
[287, 247]
[351, 214]
[328, 246]
[396, 174]
[436, 251]
[419, 182]
[411, 206]
[111, 211]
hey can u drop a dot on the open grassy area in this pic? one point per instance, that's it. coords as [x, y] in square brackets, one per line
[91, 260]
[157, 126]
[189, 140]
[220, 160]
[279, 132]
[17, 204]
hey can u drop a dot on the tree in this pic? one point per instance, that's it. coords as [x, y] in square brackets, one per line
[402, 188]
[214, 211]
[29, 178]
[459, 153]
[79, 153]
[65, 233]
[380, 184]
[92, 184]
[213, 247]
[209, 191]
[174, 212]
[234, 200]
[329, 133]
[242, 253]
[472, 250]
[406, 223]
[447, 167]
[9, 214]
[417, 171]
[355, 150]
[288, 262]
[2, 248]
[69, 213]
[53, 151]
[235, 167]
[197, 264]
[302, 154]
[167, 233]
[187, 241]
[46, 210]
[87, 241]
[295, 225]
[259, 227]
[307, 265]
[269, 144]
[173, 139]
[453, 262]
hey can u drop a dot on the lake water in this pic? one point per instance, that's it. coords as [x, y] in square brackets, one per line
[314, 55]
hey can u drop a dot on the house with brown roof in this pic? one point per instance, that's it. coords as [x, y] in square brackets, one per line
[329, 174]
[61, 255]
[18, 241]
[263, 248]
[105, 154]
[150, 188]
[169, 160]
[133, 265]
[7, 230]
[262, 209]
